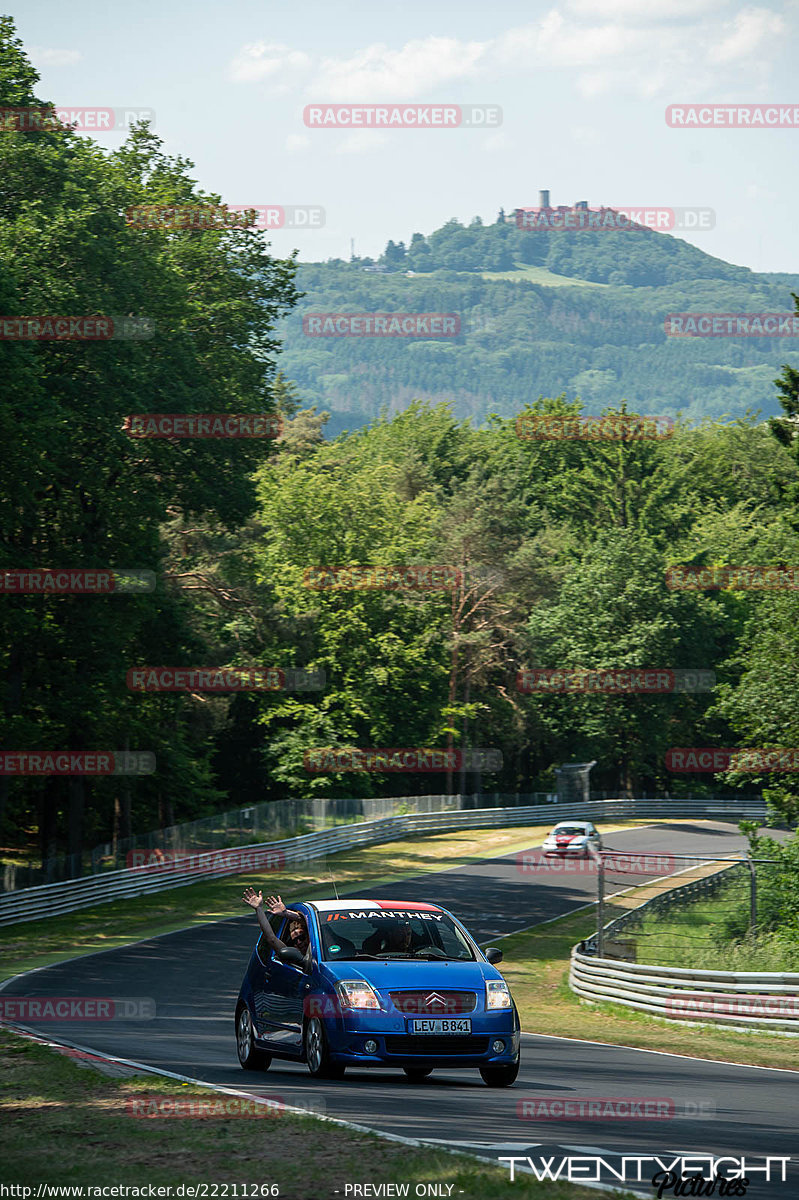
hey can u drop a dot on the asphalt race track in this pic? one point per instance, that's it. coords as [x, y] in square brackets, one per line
[193, 977]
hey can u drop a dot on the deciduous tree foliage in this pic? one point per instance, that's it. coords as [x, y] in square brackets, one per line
[76, 490]
[561, 545]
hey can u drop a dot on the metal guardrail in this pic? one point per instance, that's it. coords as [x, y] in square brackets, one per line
[767, 1000]
[750, 1000]
[266, 820]
[32, 904]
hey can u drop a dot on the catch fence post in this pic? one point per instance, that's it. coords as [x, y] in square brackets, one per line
[600, 901]
[752, 897]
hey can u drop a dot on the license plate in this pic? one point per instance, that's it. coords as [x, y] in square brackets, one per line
[441, 1025]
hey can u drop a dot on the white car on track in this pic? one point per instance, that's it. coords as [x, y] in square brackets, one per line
[572, 837]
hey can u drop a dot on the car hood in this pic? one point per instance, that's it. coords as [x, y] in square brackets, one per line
[416, 974]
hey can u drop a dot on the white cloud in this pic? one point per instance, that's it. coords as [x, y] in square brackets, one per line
[642, 12]
[297, 142]
[378, 73]
[644, 48]
[498, 140]
[361, 141]
[563, 44]
[267, 60]
[586, 136]
[746, 35]
[755, 191]
[637, 81]
[626, 51]
[43, 56]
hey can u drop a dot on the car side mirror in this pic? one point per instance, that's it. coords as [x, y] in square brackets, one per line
[493, 954]
[291, 956]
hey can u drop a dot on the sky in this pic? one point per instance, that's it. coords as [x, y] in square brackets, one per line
[583, 89]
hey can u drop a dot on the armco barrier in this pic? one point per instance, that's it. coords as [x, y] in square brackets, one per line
[668, 991]
[32, 904]
[767, 1000]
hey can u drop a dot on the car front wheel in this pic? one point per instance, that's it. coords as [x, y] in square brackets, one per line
[250, 1057]
[500, 1076]
[317, 1052]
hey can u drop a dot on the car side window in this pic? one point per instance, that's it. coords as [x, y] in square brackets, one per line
[262, 948]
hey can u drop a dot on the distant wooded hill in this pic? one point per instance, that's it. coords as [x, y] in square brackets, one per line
[541, 313]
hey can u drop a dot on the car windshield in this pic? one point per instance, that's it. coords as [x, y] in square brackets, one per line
[365, 933]
[568, 830]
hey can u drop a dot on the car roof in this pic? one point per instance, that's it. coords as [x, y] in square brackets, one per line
[373, 907]
[574, 821]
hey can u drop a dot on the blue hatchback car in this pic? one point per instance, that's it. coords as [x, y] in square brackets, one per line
[384, 984]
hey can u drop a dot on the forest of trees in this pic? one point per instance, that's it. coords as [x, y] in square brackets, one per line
[563, 545]
[540, 314]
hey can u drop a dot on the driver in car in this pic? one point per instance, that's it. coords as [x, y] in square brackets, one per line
[298, 931]
[396, 938]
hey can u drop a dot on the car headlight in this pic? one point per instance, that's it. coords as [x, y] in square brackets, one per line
[357, 993]
[497, 994]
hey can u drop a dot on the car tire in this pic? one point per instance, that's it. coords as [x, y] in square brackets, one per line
[417, 1074]
[502, 1076]
[317, 1052]
[250, 1057]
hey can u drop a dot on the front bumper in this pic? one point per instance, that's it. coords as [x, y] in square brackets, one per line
[397, 1046]
[566, 851]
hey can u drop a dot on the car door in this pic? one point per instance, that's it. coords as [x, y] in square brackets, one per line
[279, 1004]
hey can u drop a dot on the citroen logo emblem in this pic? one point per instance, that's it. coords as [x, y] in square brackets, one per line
[434, 998]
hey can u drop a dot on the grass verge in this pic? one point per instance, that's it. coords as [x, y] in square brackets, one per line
[536, 966]
[67, 1125]
[698, 934]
